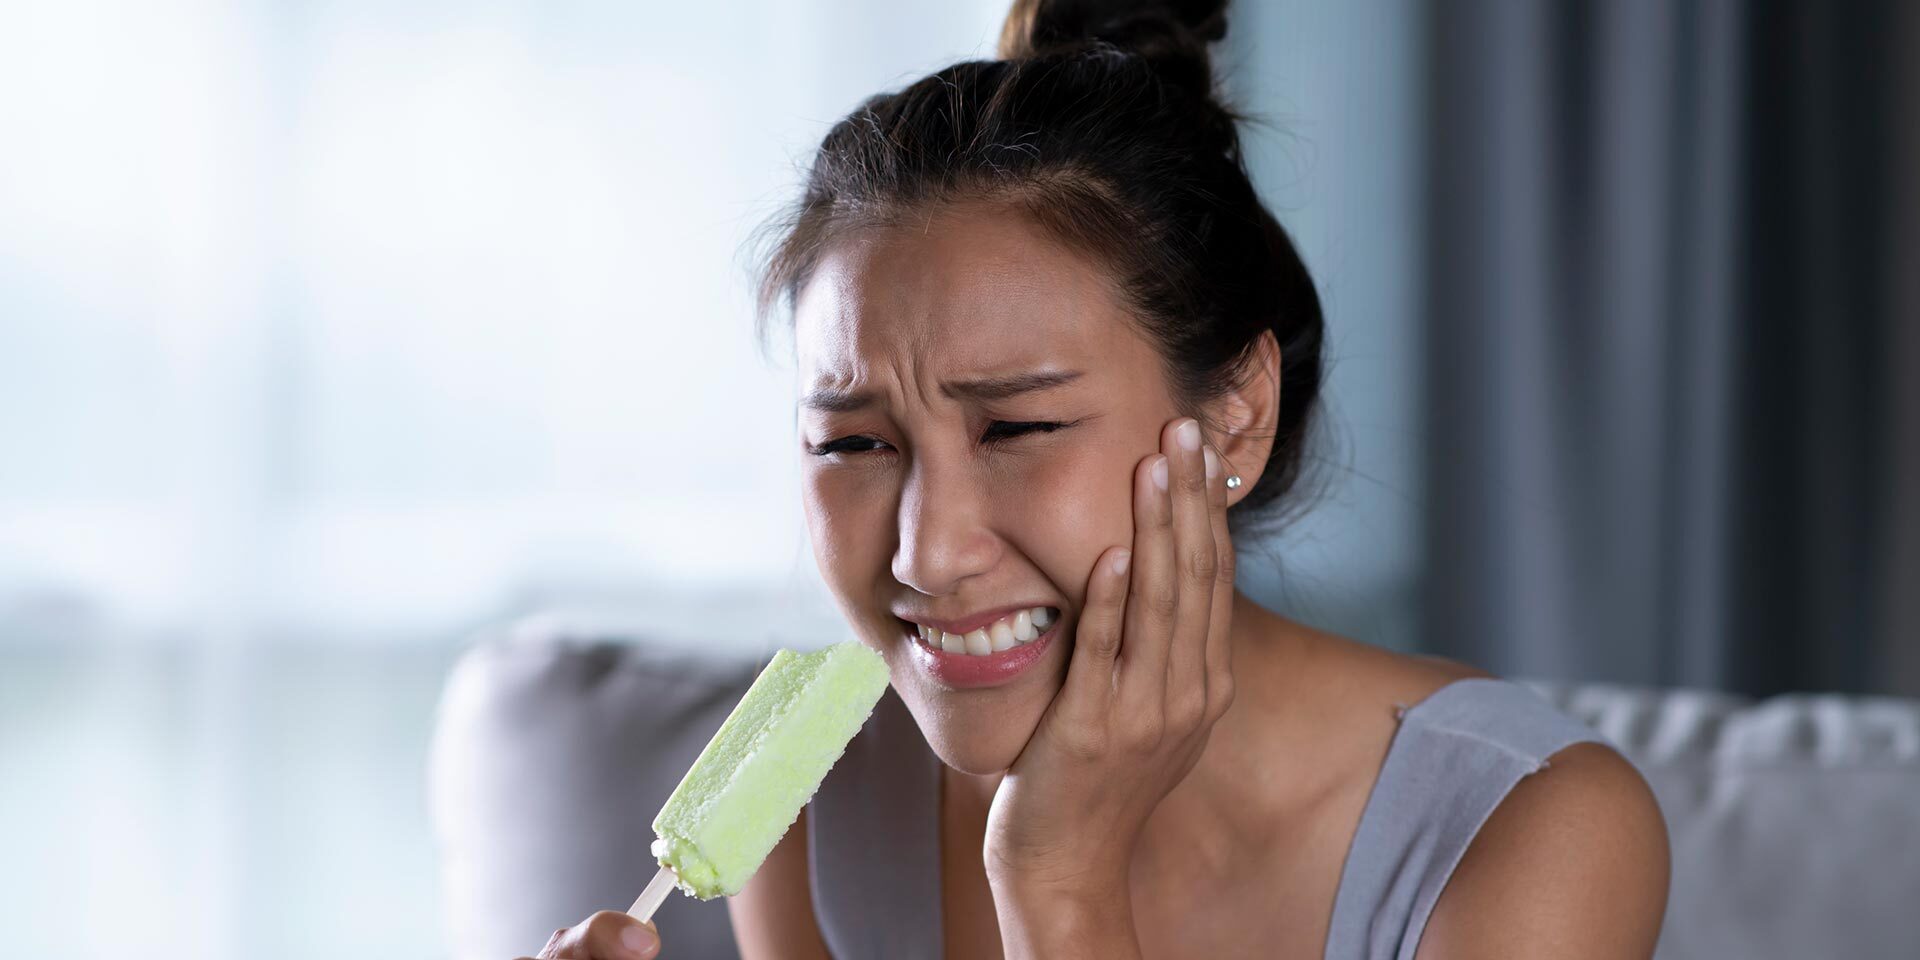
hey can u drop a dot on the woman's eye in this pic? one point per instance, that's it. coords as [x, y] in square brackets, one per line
[997, 431]
[1008, 429]
[847, 445]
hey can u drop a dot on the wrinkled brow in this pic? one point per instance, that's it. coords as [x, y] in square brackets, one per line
[830, 400]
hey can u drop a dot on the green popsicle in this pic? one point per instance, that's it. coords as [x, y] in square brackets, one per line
[761, 768]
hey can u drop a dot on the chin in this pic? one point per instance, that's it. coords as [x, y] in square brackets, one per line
[978, 731]
[976, 739]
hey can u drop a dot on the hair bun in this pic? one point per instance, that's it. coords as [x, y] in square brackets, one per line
[1174, 34]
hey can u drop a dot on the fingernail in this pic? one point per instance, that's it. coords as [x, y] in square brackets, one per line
[1121, 561]
[638, 940]
[1213, 463]
[1188, 435]
[1160, 473]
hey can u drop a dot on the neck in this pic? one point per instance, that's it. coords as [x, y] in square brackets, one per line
[1268, 653]
[972, 791]
[1254, 782]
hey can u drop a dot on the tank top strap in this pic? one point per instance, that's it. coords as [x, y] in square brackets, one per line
[873, 843]
[1455, 756]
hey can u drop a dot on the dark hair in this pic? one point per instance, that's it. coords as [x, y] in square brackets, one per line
[1102, 124]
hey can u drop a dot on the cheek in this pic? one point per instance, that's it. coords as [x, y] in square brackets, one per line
[845, 522]
[1072, 507]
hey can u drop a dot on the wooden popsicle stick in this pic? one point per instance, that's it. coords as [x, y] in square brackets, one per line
[653, 896]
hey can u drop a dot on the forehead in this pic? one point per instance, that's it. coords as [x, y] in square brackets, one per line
[963, 289]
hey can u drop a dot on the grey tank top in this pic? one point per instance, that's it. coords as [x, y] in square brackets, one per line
[874, 845]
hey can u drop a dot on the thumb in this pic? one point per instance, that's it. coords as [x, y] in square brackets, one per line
[642, 940]
[607, 935]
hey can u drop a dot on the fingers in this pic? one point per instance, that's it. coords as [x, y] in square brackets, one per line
[1152, 593]
[1151, 647]
[1096, 639]
[1195, 563]
[607, 935]
[1219, 653]
[1164, 653]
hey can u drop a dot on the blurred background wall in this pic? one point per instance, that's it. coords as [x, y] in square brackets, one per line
[330, 333]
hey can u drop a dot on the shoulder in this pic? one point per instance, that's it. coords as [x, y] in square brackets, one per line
[1331, 701]
[1573, 863]
[1573, 860]
[1353, 672]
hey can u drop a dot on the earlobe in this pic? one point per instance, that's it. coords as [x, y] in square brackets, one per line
[1241, 423]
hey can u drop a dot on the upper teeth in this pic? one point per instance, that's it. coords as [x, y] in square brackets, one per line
[1003, 634]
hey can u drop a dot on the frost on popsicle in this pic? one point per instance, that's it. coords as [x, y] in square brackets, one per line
[761, 768]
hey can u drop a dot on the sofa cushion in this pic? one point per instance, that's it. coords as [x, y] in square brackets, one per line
[1795, 821]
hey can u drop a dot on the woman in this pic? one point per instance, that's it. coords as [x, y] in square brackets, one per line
[1050, 343]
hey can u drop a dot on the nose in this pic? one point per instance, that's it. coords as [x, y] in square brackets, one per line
[945, 530]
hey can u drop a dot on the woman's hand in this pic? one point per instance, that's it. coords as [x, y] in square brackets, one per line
[607, 935]
[1151, 672]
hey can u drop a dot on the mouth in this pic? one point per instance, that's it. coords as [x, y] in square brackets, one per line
[987, 655]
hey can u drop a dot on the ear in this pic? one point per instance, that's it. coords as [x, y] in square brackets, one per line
[1241, 423]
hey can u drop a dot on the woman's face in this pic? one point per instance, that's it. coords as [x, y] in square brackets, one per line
[924, 353]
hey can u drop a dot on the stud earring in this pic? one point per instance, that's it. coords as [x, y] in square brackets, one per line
[1233, 482]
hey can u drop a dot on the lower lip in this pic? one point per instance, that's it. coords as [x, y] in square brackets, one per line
[966, 671]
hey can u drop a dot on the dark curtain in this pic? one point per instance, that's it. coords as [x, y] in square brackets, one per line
[1671, 348]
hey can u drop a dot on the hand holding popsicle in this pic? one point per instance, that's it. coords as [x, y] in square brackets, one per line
[606, 935]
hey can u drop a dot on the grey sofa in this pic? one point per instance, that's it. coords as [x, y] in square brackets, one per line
[1795, 821]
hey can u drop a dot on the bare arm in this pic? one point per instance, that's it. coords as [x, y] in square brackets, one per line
[773, 914]
[1572, 864]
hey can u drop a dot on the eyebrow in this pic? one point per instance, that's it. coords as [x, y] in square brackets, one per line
[986, 388]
